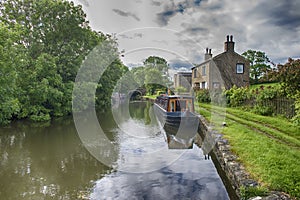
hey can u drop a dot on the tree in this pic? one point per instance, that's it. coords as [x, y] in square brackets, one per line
[54, 38]
[56, 27]
[157, 62]
[139, 75]
[9, 105]
[289, 75]
[154, 80]
[258, 64]
[108, 82]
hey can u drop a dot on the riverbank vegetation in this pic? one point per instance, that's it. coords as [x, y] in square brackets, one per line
[269, 147]
[149, 79]
[42, 46]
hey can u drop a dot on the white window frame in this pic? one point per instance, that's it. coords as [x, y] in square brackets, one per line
[240, 68]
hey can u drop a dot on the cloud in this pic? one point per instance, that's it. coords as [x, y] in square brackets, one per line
[140, 35]
[192, 29]
[268, 25]
[171, 9]
[156, 3]
[84, 2]
[284, 14]
[180, 65]
[128, 36]
[164, 17]
[126, 14]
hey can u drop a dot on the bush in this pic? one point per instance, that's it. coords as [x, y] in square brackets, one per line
[236, 96]
[296, 118]
[261, 100]
[203, 96]
[180, 89]
[263, 110]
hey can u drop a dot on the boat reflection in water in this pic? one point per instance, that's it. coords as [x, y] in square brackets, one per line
[176, 116]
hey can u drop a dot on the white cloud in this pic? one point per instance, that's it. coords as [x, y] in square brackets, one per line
[269, 25]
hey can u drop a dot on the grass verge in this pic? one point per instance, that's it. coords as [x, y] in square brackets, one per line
[272, 163]
[150, 96]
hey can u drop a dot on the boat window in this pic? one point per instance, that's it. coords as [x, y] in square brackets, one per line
[180, 104]
[172, 106]
[178, 108]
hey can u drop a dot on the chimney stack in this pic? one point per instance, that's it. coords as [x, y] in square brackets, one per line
[229, 44]
[208, 54]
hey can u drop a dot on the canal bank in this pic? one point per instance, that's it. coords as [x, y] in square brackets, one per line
[234, 176]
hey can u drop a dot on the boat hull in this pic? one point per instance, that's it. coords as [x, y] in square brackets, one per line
[182, 126]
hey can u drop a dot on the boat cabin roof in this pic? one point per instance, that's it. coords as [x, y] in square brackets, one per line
[175, 97]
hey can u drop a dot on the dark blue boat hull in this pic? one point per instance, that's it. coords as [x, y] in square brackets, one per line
[181, 125]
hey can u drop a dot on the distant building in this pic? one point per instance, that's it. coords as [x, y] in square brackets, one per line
[221, 71]
[183, 79]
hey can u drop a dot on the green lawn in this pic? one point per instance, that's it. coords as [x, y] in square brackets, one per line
[269, 147]
[264, 84]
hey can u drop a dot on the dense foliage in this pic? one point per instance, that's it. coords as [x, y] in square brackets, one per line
[43, 44]
[259, 64]
[260, 99]
[10, 104]
[151, 77]
[289, 75]
[203, 96]
[264, 100]
[180, 89]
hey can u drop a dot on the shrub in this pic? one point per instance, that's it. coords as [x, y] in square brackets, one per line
[263, 99]
[296, 118]
[263, 110]
[236, 96]
[180, 89]
[203, 96]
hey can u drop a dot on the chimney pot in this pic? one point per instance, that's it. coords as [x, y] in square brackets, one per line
[208, 54]
[229, 45]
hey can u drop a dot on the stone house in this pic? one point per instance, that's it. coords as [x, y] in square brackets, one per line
[222, 71]
[183, 79]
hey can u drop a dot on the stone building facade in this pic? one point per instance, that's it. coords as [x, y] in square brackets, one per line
[183, 79]
[222, 71]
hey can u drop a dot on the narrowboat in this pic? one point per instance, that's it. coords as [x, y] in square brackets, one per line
[175, 113]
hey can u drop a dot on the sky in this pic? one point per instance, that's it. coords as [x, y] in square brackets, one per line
[181, 30]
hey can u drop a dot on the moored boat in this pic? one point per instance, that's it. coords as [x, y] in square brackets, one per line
[176, 115]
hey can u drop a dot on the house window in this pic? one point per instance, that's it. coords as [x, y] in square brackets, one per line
[195, 73]
[239, 68]
[197, 85]
[203, 70]
[203, 85]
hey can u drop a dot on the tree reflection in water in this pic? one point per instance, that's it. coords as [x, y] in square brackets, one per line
[50, 162]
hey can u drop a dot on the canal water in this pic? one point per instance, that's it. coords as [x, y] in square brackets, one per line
[49, 161]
